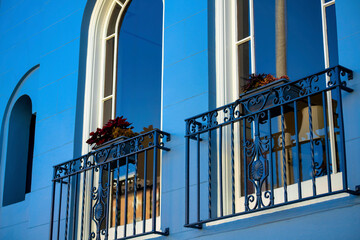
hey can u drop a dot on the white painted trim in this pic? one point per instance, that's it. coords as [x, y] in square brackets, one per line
[328, 94]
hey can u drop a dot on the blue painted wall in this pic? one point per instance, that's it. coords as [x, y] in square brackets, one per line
[53, 34]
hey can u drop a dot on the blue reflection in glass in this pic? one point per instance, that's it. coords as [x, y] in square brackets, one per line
[264, 22]
[305, 52]
[138, 93]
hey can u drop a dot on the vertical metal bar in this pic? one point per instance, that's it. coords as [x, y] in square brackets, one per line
[126, 195]
[232, 169]
[342, 134]
[297, 149]
[154, 182]
[91, 197]
[144, 191]
[135, 186]
[59, 214]
[283, 151]
[271, 161]
[67, 208]
[52, 208]
[198, 177]
[312, 147]
[117, 196]
[108, 200]
[75, 205]
[326, 142]
[187, 172]
[245, 167]
[83, 206]
[221, 173]
[209, 173]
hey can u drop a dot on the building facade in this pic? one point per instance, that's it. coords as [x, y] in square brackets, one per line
[210, 156]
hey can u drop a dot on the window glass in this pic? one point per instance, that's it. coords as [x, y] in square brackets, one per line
[305, 51]
[112, 21]
[244, 62]
[138, 94]
[264, 25]
[109, 70]
[243, 18]
[332, 35]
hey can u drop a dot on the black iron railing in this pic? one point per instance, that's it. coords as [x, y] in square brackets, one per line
[277, 145]
[112, 192]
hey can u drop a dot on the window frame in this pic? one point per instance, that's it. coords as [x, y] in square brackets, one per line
[227, 73]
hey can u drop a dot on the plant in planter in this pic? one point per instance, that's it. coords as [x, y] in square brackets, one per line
[114, 128]
[258, 80]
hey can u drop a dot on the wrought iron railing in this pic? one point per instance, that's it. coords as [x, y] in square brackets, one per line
[277, 145]
[112, 192]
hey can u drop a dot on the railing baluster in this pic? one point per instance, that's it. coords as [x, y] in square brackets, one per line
[67, 208]
[232, 169]
[144, 191]
[198, 177]
[312, 146]
[297, 150]
[221, 173]
[271, 173]
[126, 195]
[52, 208]
[327, 149]
[117, 214]
[59, 214]
[154, 183]
[75, 205]
[135, 186]
[90, 199]
[209, 173]
[245, 167]
[283, 152]
[83, 206]
[342, 134]
[187, 172]
[108, 199]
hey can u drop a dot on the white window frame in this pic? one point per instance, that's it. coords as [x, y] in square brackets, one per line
[227, 85]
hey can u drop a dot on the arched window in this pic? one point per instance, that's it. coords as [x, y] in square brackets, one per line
[124, 77]
[20, 146]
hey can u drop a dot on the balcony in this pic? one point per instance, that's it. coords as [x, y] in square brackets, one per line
[276, 146]
[112, 192]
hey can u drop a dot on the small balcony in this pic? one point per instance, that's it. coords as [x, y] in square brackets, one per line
[113, 192]
[279, 145]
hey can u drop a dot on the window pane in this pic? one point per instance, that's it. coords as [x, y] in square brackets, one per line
[264, 18]
[107, 115]
[305, 51]
[243, 18]
[332, 35]
[112, 22]
[244, 63]
[109, 67]
[138, 92]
